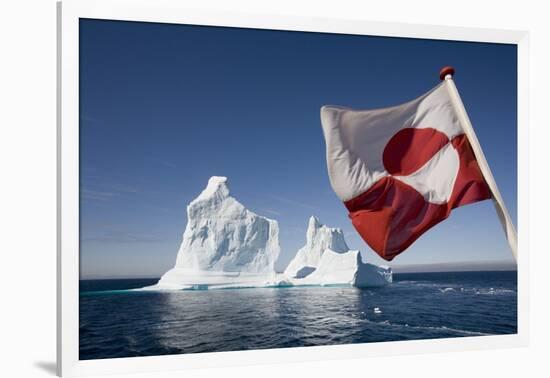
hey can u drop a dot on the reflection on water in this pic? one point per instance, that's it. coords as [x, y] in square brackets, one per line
[257, 318]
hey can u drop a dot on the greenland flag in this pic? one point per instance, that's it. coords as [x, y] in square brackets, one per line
[401, 170]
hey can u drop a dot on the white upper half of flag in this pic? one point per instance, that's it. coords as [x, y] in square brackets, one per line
[356, 140]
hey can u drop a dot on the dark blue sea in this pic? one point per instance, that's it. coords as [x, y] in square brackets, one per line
[115, 322]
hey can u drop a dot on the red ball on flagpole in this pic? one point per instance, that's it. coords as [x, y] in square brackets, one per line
[447, 70]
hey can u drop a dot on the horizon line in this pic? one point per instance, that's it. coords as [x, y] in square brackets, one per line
[403, 269]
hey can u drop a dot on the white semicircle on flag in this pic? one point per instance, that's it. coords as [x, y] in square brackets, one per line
[435, 179]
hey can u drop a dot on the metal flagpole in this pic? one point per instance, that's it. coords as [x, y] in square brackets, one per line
[446, 74]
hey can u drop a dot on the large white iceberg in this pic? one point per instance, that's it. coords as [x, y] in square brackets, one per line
[327, 260]
[226, 245]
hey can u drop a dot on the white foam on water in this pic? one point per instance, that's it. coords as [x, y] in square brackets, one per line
[447, 290]
[433, 328]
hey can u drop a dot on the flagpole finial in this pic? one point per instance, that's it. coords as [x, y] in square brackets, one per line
[447, 70]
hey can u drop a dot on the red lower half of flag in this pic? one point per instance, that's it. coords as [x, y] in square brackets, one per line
[391, 215]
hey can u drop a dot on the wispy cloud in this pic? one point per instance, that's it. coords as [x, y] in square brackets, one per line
[117, 233]
[96, 195]
[350, 234]
[102, 191]
[161, 161]
[89, 119]
[292, 202]
[178, 211]
[123, 237]
[298, 230]
[166, 163]
[121, 188]
[272, 212]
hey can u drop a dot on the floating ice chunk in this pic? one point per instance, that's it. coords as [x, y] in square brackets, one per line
[447, 290]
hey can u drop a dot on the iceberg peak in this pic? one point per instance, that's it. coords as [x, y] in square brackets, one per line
[314, 223]
[321, 237]
[217, 187]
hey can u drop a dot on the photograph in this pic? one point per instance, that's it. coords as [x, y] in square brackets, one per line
[245, 189]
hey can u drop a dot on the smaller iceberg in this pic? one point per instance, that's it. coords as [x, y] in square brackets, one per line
[319, 238]
[327, 260]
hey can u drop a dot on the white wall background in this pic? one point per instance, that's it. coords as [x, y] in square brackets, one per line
[27, 186]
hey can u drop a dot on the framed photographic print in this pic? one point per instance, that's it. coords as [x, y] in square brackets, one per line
[264, 188]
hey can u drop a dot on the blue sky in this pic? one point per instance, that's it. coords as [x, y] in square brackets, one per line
[164, 107]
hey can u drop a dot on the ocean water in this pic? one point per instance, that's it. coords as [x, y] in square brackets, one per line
[115, 322]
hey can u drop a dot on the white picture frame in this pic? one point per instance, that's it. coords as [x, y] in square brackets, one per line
[172, 11]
